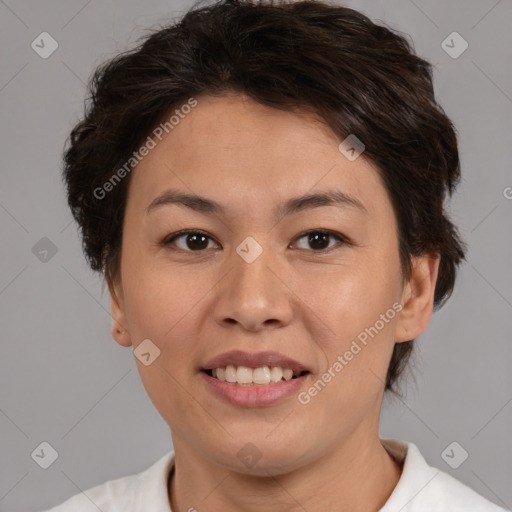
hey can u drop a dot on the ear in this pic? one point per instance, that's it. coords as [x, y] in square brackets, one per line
[119, 329]
[418, 298]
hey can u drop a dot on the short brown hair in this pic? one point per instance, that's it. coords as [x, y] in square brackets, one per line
[360, 77]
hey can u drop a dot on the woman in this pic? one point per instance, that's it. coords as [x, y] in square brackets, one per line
[262, 186]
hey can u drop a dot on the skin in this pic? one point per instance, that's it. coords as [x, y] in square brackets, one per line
[296, 298]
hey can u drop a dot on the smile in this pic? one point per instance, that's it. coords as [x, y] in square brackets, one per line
[245, 376]
[255, 379]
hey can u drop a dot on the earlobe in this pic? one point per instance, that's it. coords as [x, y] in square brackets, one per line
[418, 298]
[119, 328]
[121, 336]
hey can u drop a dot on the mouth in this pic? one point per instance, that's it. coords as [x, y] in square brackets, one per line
[260, 376]
[255, 379]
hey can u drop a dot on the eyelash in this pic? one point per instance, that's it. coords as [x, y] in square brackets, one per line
[342, 239]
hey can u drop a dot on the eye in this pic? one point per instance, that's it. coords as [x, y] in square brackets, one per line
[320, 237]
[194, 240]
[197, 241]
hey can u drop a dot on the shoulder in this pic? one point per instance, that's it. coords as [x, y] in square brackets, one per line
[448, 492]
[423, 487]
[128, 493]
[107, 497]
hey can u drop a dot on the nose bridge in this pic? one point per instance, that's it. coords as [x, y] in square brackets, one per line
[252, 264]
[253, 294]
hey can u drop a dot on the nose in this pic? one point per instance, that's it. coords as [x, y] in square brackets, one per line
[254, 295]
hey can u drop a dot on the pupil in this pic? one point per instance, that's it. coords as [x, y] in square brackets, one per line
[195, 237]
[314, 238]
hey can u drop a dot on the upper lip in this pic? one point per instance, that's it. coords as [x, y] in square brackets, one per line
[254, 360]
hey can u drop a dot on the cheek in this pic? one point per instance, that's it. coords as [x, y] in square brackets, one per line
[160, 309]
[360, 316]
[356, 304]
[349, 298]
[154, 295]
[167, 305]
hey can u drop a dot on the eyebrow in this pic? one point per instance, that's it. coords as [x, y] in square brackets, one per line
[291, 206]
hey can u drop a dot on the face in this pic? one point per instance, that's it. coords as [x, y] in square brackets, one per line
[305, 283]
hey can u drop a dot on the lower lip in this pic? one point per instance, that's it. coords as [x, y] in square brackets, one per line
[257, 395]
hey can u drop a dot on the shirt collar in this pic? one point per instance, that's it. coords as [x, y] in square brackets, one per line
[416, 474]
[151, 486]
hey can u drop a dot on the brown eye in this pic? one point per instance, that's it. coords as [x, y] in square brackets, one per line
[318, 239]
[194, 240]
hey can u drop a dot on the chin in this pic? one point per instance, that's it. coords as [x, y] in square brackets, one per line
[263, 459]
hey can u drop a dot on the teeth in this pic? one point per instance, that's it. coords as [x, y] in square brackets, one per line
[245, 375]
[230, 373]
[261, 375]
[276, 374]
[287, 374]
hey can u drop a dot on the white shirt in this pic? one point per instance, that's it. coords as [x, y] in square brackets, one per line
[421, 488]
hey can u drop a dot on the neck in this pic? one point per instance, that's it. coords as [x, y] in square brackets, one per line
[357, 477]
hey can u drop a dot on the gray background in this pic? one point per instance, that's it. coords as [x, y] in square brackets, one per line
[63, 379]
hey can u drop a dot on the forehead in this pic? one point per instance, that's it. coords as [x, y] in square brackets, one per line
[231, 148]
